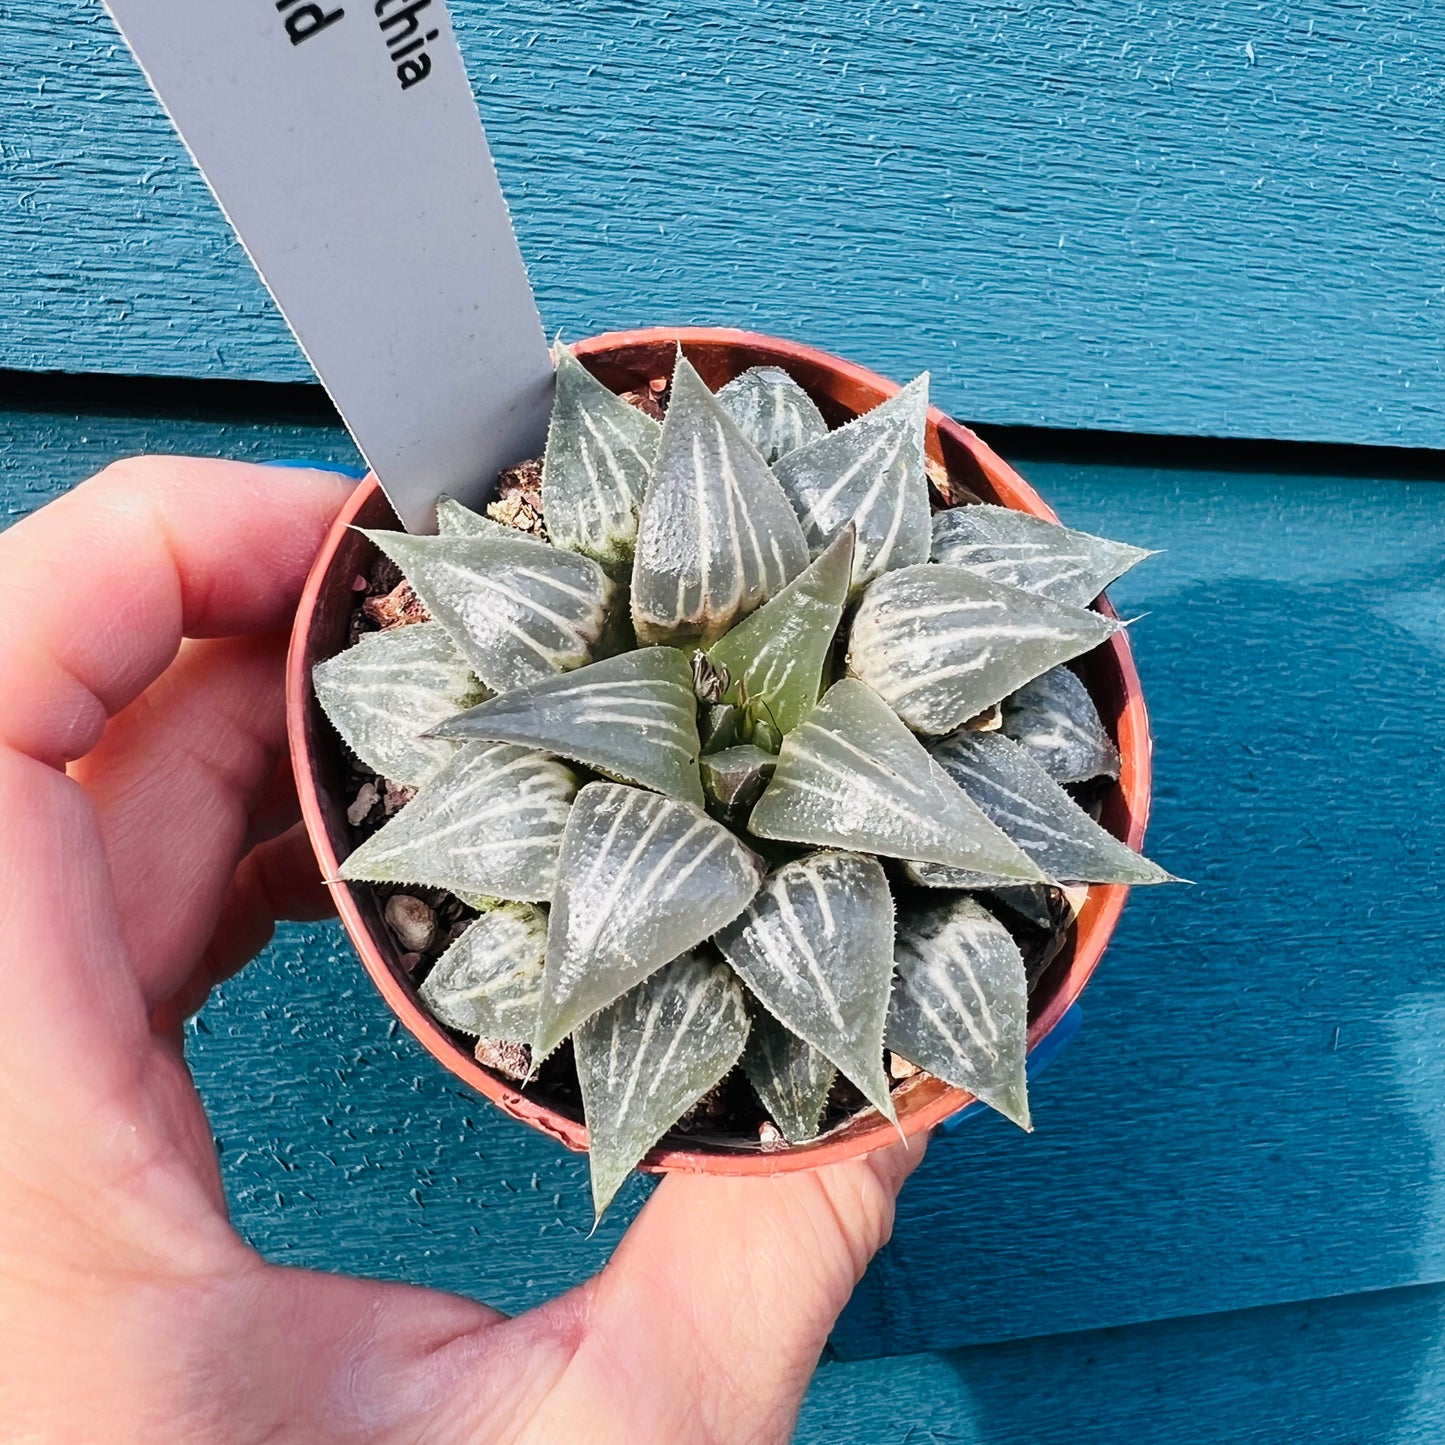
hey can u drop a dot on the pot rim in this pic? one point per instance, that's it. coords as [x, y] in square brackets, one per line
[929, 1101]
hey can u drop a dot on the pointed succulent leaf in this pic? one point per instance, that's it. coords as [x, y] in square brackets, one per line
[816, 948]
[632, 717]
[943, 875]
[960, 1003]
[599, 456]
[384, 692]
[1023, 800]
[1020, 550]
[518, 609]
[489, 823]
[719, 727]
[717, 537]
[489, 982]
[777, 655]
[773, 411]
[646, 1060]
[641, 879]
[456, 520]
[1055, 719]
[791, 1078]
[869, 472]
[852, 776]
[736, 776]
[940, 644]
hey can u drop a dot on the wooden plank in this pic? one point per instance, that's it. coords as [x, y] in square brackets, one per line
[1213, 219]
[1252, 1111]
[55, 432]
[1363, 1370]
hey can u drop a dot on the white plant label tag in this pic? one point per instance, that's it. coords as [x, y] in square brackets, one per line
[343, 143]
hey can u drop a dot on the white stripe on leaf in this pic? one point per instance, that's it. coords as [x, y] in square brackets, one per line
[717, 536]
[489, 823]
[641, 879]
[632, 717]
[518, 609]
[489, 982]
[852, 776]
[384, 692]
[816, 947]
[960, 1002]
[1055, 720]
[772, 410]
[644, 1061]
[791, 1078]
[1021, 798]
[600, 452]
[1017, 549]
[870, 473]
[941, 644]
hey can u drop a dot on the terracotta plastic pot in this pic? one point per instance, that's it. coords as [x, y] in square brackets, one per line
[629, 360]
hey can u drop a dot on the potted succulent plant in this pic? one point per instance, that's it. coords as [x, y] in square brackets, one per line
[752, 784]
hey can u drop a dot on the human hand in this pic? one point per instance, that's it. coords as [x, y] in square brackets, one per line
[149, 844]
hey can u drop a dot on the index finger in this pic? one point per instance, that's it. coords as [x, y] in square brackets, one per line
[98, 588]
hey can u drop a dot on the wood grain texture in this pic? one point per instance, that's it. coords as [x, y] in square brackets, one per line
[1362, 1370]
[1209, 219]
[1253, 1110]
[53, 436]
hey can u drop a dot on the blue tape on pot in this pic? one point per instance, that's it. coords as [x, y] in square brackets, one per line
[355, 473]
[1058, 1039]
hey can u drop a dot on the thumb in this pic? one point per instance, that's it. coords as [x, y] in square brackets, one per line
[718, 1302]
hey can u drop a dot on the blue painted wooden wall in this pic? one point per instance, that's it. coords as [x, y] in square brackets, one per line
[1253, 1114]
[1223, 220]
[1217, 219]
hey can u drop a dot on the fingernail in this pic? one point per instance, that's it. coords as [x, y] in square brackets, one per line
[355, 473]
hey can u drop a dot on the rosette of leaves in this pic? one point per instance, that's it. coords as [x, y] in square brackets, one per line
[708, 764]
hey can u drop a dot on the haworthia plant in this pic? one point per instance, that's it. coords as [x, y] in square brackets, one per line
[599, 457]
[815, 947]
[389, 689]
[489, 982]
[517, 608]
[632, 717]
[641, 879]
[717, 537]
[869, 473]
[610, 809]
[940, 644]
[960, 1002]
[1021, 798]
[1018, 549]
[852, 776]
[489, 823]
[773, 411]
[1055, 720]
[643, 1062]
[792, 1079]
